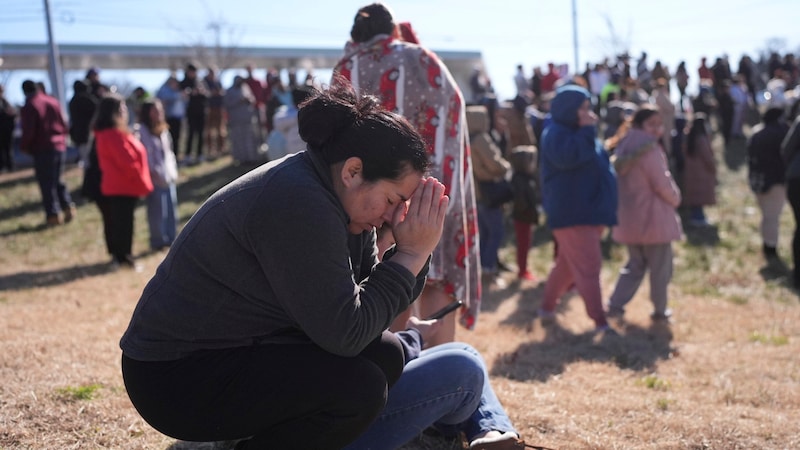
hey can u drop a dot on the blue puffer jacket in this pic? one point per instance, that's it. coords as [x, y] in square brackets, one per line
[578, 183]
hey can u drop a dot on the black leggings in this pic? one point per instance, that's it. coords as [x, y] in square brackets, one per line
[118, 212]
[284, 396]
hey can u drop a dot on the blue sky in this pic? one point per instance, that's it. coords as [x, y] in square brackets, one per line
[527, 32]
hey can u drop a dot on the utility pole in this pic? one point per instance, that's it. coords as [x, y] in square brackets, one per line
[575, 35]
[216, 27]
[56, 76]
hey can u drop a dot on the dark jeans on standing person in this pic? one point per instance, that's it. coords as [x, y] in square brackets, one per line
[197, 125]
[119, 227]
[491, 230]
[6, 150]
[793, 194]
[283, 396]
[175, 124]
[49, 165]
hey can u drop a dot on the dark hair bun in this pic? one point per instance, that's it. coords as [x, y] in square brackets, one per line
[370, 21]
[325, 114]
[338, 124]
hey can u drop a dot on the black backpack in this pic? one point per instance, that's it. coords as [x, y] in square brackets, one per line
[90, 189]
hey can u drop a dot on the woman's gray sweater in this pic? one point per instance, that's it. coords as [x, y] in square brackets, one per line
[268, 259]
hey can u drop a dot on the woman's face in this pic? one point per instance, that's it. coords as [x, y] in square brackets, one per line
[654, 126]
[585, 114]
[370, 205]
[157, 113]
[123, 113]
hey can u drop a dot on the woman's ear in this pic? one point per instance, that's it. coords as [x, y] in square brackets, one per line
[351, 172]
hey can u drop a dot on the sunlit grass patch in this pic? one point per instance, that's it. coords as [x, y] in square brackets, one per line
[663, 403]
[737, 299]
[761, 338]
[72, 393]
[654, 382]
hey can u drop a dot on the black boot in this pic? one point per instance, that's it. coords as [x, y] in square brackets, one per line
[796, 278]
[771, 253]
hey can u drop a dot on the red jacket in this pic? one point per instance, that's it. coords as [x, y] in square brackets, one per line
[123, 164]
[43, 125]
[257, 88]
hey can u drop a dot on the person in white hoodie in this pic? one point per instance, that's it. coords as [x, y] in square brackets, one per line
[162, 203]
[285, 122]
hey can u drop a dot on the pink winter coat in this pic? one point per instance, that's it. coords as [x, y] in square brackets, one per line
[648, 195]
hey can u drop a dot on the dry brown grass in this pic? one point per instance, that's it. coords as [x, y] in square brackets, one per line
[725, 375]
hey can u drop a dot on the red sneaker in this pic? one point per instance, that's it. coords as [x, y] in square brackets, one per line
[527, 276]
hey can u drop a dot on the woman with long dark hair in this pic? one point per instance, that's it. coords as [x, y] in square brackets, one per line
[699, 171]
[125, 176]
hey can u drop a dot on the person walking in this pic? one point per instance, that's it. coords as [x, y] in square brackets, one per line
[648, 223]
[44, 137]
[579, 195]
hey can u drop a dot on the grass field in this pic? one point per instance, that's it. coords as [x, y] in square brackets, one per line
[724, 375]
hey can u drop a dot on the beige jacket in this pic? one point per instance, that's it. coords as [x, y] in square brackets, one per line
[488, 163]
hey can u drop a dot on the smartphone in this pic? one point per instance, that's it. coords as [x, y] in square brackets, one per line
[445, 311]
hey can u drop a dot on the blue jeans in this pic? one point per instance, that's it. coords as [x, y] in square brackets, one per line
[162, 205]
[446, 387]
[490, 227]
[49, 165]
[697, 213]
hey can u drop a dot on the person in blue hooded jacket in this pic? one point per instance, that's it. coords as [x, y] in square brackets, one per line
[579, 195]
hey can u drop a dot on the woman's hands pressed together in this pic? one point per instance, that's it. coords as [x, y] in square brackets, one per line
[417, 227]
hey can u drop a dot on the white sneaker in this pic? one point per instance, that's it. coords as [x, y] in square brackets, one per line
[508, 440]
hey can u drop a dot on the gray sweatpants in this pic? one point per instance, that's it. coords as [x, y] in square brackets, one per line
[657, 258]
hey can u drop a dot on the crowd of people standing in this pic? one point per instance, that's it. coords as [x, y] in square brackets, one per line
[185, 122]
[440, 184]
[647, 131]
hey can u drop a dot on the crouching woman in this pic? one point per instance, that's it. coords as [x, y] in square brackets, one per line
[267, 319]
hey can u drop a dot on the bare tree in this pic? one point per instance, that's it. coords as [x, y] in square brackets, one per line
[615, 43]
[774, 45]
[216, 52]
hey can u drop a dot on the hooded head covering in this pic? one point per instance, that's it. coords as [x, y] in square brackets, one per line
[370, 21]
[564, 107]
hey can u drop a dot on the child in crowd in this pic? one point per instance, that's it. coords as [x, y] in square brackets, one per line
[525, 210]
[648, 222]
[699, 171]
[162, 203]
